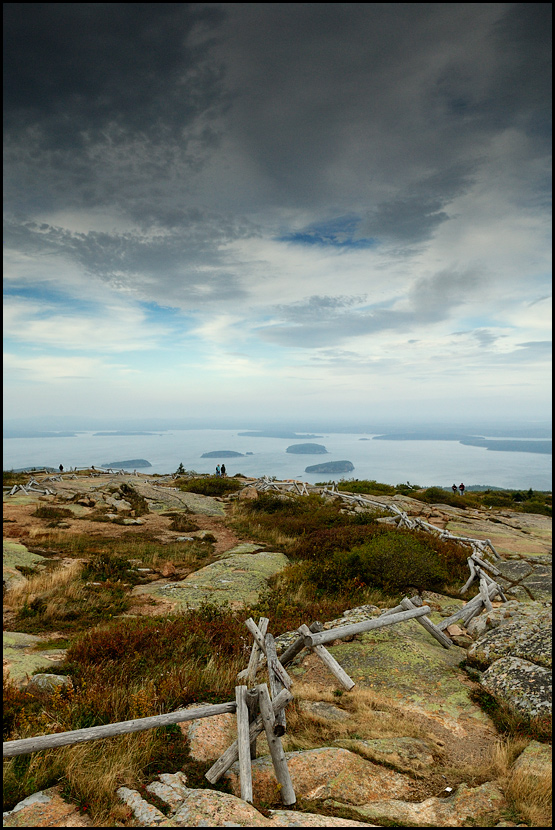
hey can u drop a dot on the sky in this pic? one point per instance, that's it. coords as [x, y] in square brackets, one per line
[277, 210]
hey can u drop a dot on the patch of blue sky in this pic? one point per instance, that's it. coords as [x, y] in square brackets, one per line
[49, 296]
[340, 232]
[167, 315]
[481, 322]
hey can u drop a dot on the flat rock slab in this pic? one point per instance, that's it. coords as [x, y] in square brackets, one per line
[403, 754]
[45, 809]
[525, 686]
[237, 579]
[15, 554]
[467, 805]
[405, 663]
[21, 660]
[521, 537]
[328, 772]
[528, 638]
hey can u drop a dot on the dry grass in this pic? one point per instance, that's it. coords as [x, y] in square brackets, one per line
[371, 715]
[46, 582]
[90, 773]
[530, 793]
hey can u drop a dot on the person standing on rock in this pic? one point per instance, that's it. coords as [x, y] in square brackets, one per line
[218, 470]
[461, 488]
[223, 469]
[455, 490]
[61, 468]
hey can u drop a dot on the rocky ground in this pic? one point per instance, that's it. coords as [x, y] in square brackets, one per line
[413, 689]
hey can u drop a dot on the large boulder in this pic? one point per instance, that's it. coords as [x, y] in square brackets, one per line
[210, 808]
[524, 686]
[45, 809]
[526, 637]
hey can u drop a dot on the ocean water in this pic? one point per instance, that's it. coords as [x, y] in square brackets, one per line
[425, 463]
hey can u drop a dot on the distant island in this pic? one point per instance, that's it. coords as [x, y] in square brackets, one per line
[496, 444]
[331, 467]
[122, 432]
[276, 434]
[35, 469]
[307, 449]
[31, 433]
[133, 462]
[506, 445]
[222, 454]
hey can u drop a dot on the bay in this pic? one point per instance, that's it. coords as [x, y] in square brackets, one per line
[425, 463]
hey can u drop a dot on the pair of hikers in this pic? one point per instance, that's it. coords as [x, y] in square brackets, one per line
[460, 488]
[220, 471]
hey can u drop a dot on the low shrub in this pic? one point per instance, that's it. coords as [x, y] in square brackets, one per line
[210, 486]
[369, 486]
[389, 560]
[46, 511]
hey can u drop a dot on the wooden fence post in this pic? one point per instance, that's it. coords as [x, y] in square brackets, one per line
[243, 743]
[231, 754]
[276, 749]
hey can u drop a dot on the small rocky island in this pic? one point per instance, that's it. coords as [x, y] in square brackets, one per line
[307, 449]
[135, 463]
[331, 467]
[222, 454]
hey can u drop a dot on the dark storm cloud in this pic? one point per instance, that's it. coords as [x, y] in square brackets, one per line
[107, 103]
[376, 114]
[77, 68]
[401, 92]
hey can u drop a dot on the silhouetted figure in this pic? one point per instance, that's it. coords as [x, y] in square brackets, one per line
[461, 488]
[223, 469]
[61, 468]
[218, 472]
[455, 489]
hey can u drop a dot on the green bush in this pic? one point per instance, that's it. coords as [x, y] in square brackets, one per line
[366, 486]
[210, 486]
[391, 561]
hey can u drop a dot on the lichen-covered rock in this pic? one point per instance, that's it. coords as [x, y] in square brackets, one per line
[210, 808]
[325, 773]
[237, 579]
[321, 709]
[16, 555]
[20, 659]
[506, 612]
[529, 638]
[532, 773]
[466, 805]
[49, 682]
[524, 686]
[45, 809]
[403, 754]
